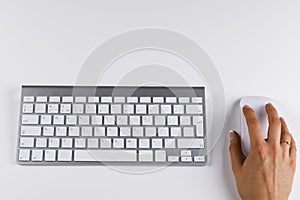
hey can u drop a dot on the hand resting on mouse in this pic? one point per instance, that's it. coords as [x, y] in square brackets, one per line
[268, 171]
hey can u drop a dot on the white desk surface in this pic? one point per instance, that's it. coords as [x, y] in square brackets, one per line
[255, 46]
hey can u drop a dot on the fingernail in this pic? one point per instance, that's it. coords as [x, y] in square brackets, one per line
[282, 119]
[247, 106]
[231, 134]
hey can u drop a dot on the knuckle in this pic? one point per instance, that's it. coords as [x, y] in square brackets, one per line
[261, 150]
[293, 164]
[253, 121]
[275, 121]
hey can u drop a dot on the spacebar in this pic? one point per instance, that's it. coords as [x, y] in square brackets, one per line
[105, 155]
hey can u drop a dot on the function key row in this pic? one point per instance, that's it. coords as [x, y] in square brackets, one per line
[113, 108]
[109, 99]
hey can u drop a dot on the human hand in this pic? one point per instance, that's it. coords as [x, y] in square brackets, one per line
[268, 171]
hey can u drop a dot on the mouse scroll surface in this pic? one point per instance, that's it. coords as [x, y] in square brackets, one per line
[258, 105]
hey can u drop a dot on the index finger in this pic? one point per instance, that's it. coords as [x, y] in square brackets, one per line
[254, 129]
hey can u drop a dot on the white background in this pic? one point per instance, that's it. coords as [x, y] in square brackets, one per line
[255, 46]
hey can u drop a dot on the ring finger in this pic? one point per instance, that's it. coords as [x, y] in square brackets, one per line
[285, 139]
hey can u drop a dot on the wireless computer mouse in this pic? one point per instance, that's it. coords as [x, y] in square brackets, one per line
[258, 104]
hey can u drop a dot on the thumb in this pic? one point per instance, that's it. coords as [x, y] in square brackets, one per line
[236, 154]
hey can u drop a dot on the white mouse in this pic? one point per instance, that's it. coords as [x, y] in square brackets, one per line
[258, 104]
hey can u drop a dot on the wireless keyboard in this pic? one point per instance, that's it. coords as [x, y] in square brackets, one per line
[66, 125]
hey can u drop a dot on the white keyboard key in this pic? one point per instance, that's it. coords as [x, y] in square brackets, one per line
[194, 109]
[150, 131]
[93, 99]
[165, 109]
[145, 155]
[64, 155]
[48, 131]
[160, 120]
[119, 99]
[73, 131]
[145, 99]
[37, 155]
[175, 131]
[112, 131]
[199, 130]
[50, 155]
[144, 143]
[67, 99]
[172, 120]
[40, 108]
[67, 143]
[188, 131]
[109, 120]
[125, 131]
[27, 108]
[178, 109]
[118, 143]
[197, 120]
[79, 143]
[93, 143]
[86, 131]
[153, 109]
[147, 120]
[186, 153]
[99, 131]
[171, 100]
[137, 131]
[156, 143]
[170, 143]
[28, 99]
[84, 120]
[26, 142]
[134, 120]
[158, 99]
[90, 109]
[105, 155]
[184, 100]
[53, 142]
[80, 99]
[116, 109]
[41, 142]
[54, 99]
[131, 143]
[58, 119]
[173, 159]
[24, 155]
[61, 131]
[103, 109]
[77, 108]
[128, 109]
[46, 119]
[199, 159]
[185, 143]
[105, 143]
[71, 119]
[196, 99]
[96, 120]
[52, 108]
[132, 99]
[160, 156]
[140, 109]
[65, 108]
[186, 159]
[30, 131]
[30, 119]
[163, 132]
[106, 99]
[122, 120]
[185, 120]
[41, 99]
